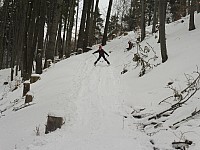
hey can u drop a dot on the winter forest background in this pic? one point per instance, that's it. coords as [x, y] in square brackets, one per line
[23, 39]
[37, 35]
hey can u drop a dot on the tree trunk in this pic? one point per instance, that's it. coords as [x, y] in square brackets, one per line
[59, 39]
[107, 23]
[88, 23]
[26, 41]
[132, 23]
[82, 24]
[40, 48]
[155, 16]
[162, 37]
[150, 16]
[70, 27]
[191, 21]
[22, 34]
[143, 20]
[76, 27]
[198, 6]
[183, 7]
[2, 33]
[32, 37]
[53, 32]
[93, 26]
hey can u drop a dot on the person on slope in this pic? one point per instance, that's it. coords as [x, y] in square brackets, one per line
[101, 54]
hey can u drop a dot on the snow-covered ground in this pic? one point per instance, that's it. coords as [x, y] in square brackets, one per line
[98, 103]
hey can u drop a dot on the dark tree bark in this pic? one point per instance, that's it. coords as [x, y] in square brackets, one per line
[66, 16]
[107, 23]
[198, 6]
[155, 16]
[21, 17]
[162, 10]
[2, 33]
[76, 27]
[36, 30]
[183, 7]
[143, 20]
[53, 32]
[93, 26]
[82, 24]
[12, 41]
[191, 21]
[88, 23]
[27, 40]
[59, 39]
[69, 29]
[40, 48]
[32, 35]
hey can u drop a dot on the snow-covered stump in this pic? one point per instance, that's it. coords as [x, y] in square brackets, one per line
[49, 61]
[34, 78]
[28, 98]
[80, 51]
[53, 123]
[26, 87]
[56, 60]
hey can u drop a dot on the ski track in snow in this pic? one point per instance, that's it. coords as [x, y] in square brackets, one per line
[96, 103]
[97, 120]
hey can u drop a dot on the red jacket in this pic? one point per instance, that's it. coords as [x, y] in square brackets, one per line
[101, 52]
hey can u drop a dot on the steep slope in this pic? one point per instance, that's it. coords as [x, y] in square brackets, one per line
[97, 103]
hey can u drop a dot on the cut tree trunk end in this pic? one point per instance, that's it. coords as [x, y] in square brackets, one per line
[49, 62]
[53, 123]
[28, 98]
[34, 78]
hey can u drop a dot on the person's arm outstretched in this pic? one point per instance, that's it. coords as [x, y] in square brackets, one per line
[95, 52]
[106, 53]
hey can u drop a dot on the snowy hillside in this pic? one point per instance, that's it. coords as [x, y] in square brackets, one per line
[107, 108]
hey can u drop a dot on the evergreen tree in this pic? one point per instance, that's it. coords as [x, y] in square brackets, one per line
[113, 24]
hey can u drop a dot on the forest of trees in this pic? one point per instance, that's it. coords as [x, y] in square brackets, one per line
[33, 32]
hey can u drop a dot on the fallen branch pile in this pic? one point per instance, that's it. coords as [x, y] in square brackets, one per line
[140, 56]
[183, 97]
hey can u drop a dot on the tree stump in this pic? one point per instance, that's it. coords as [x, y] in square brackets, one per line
[53, 123]
[80, 51]
[56, 60]
[34, 78]
[28, 98]
[26, 87]
[125, 33]
[49, 61]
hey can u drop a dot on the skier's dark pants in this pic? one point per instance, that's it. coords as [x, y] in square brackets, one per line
[100, 58]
